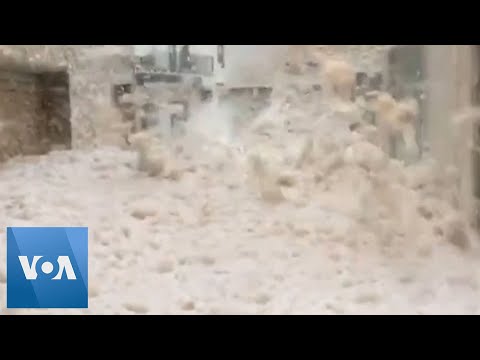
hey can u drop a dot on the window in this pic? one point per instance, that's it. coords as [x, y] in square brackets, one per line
[120, 90]
[221, 55]
[172, 58]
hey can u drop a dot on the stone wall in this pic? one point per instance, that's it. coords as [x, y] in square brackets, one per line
[20, 112]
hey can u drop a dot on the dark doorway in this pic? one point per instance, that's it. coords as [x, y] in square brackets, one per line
[55, 97]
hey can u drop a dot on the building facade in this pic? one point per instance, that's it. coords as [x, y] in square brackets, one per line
[57, 94]
[452, 73]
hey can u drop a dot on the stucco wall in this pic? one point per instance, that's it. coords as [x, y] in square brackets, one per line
[91, 84]
[450, 80]
[451, 76]
[251, 65]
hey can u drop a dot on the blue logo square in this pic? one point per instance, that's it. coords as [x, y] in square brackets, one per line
[47, 267]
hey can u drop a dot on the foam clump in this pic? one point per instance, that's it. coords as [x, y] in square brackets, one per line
[264, 167]
[340, 76]
[154, 158]
[366, 155]
[351, 169]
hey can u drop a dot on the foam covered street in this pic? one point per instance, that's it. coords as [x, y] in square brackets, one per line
[290, 206]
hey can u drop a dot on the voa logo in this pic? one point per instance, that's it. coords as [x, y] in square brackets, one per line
[47, 267]
[64, 265]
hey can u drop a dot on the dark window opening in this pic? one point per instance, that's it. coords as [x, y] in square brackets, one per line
[120, 90]
[172, 58]
[362, 79]
[186, 63]
[376, 82]
[206, 94]
[221, 55]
